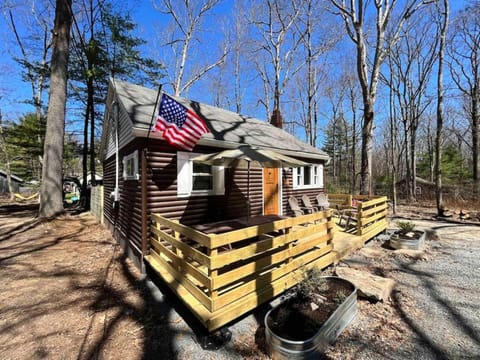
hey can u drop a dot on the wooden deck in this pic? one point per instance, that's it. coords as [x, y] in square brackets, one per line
[222, 276]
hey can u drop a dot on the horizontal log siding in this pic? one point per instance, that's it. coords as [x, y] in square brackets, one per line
[162, 190]
[289, 191]
[108, 187]
[127, 219]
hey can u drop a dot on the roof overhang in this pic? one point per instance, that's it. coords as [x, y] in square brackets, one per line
[143, 133]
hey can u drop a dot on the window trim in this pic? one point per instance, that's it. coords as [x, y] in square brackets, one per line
[315, 179]
[185, 177]
[135, 175]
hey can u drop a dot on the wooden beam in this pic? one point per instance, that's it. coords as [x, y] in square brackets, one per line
[190, 233]
[185, 248]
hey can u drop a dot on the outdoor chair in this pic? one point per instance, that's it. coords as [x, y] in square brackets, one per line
[322, 201]
[308, 205]
[349, 216]
[298, 211]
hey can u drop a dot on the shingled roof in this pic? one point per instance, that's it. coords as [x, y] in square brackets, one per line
[227, 129]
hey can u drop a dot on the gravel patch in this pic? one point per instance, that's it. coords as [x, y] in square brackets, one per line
[434, 310]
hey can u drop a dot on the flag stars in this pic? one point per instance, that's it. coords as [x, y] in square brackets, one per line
[173, 112]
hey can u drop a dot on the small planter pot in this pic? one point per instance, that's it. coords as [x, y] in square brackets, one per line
[283, 348]
[414, 242]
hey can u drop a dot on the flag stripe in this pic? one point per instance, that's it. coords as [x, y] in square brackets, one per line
[178, 125]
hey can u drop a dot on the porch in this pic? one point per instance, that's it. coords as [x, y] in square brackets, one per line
[224, 270]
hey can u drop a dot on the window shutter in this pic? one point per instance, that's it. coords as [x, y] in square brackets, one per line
[295, 177]
[320, 176]
[218, 180]
[184, 174]
[124, 164]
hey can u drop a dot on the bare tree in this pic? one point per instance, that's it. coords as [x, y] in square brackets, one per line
[33, 55]
[318, 37]
[277, 32]
[187, 17]
[464, 64]
[411, 60]
[353, 13]
[51, 197]
[444, 11]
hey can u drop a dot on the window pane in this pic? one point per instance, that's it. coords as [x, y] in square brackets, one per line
[202, 182]
[130, 167]
[202, 177]
[307, 175]
[201, 169]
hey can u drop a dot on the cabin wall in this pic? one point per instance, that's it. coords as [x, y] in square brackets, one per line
[162, 190]
[125, 221]
[124, 124]
[287, 188]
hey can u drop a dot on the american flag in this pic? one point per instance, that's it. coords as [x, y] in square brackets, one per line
[178, 125]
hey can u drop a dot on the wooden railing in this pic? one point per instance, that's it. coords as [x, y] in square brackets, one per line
[371, 216]
[371, 212]
[222, 276]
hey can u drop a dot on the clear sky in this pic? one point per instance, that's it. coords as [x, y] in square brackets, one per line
[14, 92]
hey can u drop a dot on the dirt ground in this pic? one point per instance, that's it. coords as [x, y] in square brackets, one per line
[67, 292]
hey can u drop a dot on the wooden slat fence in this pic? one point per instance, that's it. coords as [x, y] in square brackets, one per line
[372, 216]
[222, 276]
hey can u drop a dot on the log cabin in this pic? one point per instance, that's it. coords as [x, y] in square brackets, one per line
[187, 221]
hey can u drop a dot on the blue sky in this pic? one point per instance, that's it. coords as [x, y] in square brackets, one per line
[150, 22]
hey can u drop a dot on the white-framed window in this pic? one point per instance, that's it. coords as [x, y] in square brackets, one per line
[310, 176]
[130, 166]
[195, 179]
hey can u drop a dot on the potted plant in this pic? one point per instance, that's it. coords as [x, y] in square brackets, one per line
[407, 237]
[306, 322]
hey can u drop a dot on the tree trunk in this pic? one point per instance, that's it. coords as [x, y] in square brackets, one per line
[475, 142]
[3, 147]
[438, 138]
[51, 195]
[367, 148]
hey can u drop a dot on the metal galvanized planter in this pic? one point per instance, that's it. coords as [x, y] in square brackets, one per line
[399, 241]
[281, 348]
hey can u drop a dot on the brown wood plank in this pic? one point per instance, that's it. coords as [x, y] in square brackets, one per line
[269, 260]
[190, 233]
[185, 248]
[257, 247]
[184, 265]
[374, 229]
[373, 210]
[231, 237]
[374, 201]
[367, 220]
[263, 280]
[201, 296]
[251, 301]
[195, 306]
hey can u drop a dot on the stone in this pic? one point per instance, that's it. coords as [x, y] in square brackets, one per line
[368, 285]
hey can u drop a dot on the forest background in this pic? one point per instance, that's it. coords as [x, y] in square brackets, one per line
[387, 88]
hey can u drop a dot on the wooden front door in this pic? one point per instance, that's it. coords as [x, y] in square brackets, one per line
[270, 191]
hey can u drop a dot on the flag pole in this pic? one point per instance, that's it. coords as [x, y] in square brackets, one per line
[153, 116]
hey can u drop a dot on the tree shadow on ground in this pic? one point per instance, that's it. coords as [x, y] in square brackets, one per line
[429, 281]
